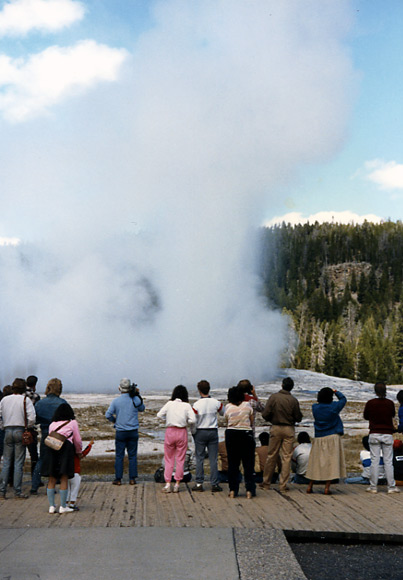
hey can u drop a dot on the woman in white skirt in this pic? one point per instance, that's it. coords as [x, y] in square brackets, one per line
[326, 461]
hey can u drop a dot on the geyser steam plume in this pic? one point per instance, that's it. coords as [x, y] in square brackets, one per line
[145, 197]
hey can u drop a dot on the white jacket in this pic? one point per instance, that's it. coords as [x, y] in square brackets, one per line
[12, 411]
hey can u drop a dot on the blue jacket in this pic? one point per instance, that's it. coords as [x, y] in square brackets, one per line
[45, 409]
[400, 426]
[327, 419]
[123, 413]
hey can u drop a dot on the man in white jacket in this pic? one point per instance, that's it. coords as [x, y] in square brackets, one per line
[12, 420]
[206, 436]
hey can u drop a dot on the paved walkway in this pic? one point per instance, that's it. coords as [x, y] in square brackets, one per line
[146, 554]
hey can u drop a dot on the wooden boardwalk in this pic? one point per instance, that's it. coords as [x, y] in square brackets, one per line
[349, 512]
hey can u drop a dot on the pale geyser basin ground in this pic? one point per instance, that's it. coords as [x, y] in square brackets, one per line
[307, 384]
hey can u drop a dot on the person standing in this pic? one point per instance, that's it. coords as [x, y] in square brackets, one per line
[12, 417]
[45, 409]
[282, 411]
[33, 447]
[206, 435]
[326, 460]
[380, 412]
[178, 414]
[239, 442]
[123, 413]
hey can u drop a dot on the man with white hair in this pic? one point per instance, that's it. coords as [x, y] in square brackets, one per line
[123, 413]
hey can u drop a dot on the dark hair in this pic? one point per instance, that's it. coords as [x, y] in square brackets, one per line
[63, 413]
[203, 387]
[365, 442]
[288, 384]
[380, 390]
[7, 390]
[180, 392]
[19, 386]
[399, 397]
[235, 395]
[325, 395]
[303, 437]
[246, 386]
[264, 438]
[31, 381]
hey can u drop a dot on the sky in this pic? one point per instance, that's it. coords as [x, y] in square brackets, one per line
[142, 145]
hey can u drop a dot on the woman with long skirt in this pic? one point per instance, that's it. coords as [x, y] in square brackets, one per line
[326, 461]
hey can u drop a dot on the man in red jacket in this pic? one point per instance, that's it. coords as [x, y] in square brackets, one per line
[380, 412]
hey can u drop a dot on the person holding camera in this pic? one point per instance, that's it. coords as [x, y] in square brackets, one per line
[123, 413]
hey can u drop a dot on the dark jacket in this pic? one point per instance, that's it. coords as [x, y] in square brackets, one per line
[45, 409]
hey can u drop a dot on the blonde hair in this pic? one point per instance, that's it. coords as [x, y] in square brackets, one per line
[54, 387]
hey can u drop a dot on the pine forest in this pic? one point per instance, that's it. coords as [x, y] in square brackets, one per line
[341, 286]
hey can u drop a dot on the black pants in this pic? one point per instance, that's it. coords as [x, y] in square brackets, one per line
[240, 448]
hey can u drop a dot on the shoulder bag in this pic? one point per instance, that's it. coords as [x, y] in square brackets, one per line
[55, 440]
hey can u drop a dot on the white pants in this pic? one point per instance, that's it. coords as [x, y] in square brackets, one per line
[74, 486]
[378, 442]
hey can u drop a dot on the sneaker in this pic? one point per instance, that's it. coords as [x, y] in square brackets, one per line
[393, 490]
[216, 488]
[132, 481]
[176, 487]
[52, 509]
[166, 488]
[117, 482]
[65, 510]
[198, 487]
[371, 490]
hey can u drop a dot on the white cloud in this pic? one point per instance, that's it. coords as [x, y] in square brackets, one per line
[31, 86]
[340, 217]
[386, 174]
[19, 17]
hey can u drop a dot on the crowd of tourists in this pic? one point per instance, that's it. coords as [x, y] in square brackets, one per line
[236, 459]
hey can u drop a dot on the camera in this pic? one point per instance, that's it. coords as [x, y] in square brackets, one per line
[133, 390]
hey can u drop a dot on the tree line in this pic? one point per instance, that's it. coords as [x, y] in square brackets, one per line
[341, 286]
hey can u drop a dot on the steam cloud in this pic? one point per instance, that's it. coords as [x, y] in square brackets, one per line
[143, 199]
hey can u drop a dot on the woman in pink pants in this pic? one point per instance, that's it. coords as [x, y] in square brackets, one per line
[178, 414]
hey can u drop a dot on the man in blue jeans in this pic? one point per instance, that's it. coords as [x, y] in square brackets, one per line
[12, 418]
[123, 412]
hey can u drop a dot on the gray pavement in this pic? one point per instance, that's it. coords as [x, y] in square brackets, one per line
[146, 554]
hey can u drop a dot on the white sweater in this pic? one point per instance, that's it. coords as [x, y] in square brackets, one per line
[12, 411]
[177, 414]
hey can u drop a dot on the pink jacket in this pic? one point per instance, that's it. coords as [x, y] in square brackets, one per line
[71, 431]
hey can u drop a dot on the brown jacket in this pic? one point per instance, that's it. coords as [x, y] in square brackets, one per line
[282, 408]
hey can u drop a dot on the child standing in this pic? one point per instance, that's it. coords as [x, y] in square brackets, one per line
[74, 483]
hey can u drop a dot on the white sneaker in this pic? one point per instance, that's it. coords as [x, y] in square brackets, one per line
[52, 509]
[371, 490]
[65, 510]
[393, 490]
[166, 488]
[176, 487]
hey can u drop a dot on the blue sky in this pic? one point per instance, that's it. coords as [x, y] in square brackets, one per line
[56, 56]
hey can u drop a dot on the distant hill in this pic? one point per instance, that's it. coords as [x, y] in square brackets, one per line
[342, 287]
